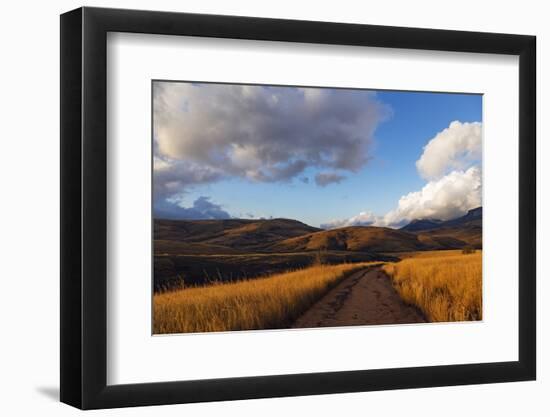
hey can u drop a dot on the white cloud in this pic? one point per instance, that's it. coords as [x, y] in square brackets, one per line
[450, 162]
[365, 218]
[260, 133]
[447, 198]
[454, 148]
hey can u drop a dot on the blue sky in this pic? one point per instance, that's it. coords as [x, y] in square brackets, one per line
[391, 129]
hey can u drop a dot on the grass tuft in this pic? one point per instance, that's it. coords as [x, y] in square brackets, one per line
[446, 287]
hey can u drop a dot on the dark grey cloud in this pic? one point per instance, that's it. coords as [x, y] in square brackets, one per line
[171, 177]
[207, 132]
[201, 209]
[323, 179]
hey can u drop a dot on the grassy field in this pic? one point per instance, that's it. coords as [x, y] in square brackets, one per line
[445, 285]
[171, 272]
[264, 303]
[429, 253]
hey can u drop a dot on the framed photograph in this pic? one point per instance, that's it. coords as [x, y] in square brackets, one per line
[258, 208]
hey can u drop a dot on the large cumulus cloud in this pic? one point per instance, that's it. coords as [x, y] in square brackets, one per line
[206, 132]
[454, 148]
[446, 198]
[451, 163]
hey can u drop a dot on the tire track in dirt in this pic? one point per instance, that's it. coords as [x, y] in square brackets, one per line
[365, 297]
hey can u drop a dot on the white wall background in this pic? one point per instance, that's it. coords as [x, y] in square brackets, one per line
[29, 225]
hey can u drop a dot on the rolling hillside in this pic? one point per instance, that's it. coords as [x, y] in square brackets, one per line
[353, 238]
[197, 252]
[223, 236]
[200, 251]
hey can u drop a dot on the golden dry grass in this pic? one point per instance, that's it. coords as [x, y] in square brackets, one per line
[264, 303]
[445, 286]
[428, 253]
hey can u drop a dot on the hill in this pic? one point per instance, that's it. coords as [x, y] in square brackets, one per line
[461, 236]
[353, 238]
[224, 236]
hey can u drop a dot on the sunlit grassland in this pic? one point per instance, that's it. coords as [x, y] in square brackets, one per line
[445, 285]
[429, 253]
[263, 303]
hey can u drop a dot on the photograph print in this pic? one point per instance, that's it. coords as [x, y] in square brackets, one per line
[285, 207]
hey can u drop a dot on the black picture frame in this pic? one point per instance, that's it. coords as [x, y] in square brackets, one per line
[84, 207]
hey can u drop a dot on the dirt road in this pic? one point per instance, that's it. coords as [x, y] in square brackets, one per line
[365, 297]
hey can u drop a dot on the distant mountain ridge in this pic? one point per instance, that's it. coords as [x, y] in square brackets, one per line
[464, 230]
[472, 218]
[418, 225]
